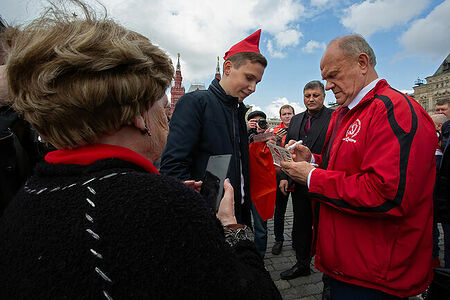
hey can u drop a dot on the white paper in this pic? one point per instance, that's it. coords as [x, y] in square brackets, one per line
[279, 154]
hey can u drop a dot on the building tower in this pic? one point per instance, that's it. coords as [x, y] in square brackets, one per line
[218, 69]
[176, 90]
[437, 87]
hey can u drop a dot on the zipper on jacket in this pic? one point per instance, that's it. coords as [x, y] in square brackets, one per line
[236, 158]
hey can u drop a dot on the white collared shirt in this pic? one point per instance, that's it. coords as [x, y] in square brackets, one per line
[362, 93]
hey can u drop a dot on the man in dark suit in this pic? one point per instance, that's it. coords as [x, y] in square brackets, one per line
[311, 127]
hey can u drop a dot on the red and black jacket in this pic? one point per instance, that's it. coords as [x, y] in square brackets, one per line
[376, 195]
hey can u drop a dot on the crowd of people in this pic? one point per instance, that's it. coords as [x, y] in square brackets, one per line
[86, 214]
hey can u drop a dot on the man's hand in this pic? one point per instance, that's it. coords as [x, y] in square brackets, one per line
[284, 184]
[272, 139]
[281, 132]
[251, 123]
[300, 152]
[196, 185]
[298, 171]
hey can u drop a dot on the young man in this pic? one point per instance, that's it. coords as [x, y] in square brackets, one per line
[212, 122]
[374, 182]
[286, 114]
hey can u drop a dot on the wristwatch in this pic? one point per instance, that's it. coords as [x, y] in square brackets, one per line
[237, 232]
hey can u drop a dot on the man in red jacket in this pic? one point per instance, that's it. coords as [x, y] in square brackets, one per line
[374, 181]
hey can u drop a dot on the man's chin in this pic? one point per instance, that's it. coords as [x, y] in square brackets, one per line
[340, 101]
[311, 108]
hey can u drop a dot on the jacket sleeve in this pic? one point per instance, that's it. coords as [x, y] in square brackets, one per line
[392, 160]
[317, 158]
[184, 135]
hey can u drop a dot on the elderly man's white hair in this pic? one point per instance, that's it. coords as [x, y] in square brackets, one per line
[439, 118]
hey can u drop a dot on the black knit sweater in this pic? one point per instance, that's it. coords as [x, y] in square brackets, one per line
[110, 230]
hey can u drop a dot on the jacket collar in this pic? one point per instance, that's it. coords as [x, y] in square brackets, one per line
[219, 92]
[381, 85]
[363, 92]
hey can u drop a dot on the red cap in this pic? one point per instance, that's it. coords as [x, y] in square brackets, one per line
[249, 44]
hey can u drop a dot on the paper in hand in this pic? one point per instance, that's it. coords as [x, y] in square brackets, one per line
[279, 154]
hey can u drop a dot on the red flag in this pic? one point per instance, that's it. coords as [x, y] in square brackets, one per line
[263, 182]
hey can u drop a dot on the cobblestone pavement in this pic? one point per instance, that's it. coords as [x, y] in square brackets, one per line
[305, 288]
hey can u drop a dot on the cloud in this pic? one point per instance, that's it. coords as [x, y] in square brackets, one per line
[289, 37]
[283, 39]
[312, 46]
[319, 2]
[202, 30]
[255, 107]
[430, 34]
[370, 16]
[279, 19]
[409, 92]
[272, 51]
[273, 109]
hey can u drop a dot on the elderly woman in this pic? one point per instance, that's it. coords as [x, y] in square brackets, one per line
[96, 220]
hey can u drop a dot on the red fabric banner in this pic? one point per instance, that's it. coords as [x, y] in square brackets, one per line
[263, 182]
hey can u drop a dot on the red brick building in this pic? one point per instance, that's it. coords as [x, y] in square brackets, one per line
[218, 69]
[177, 90]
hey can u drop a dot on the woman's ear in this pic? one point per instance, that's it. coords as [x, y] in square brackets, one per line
[139, 123]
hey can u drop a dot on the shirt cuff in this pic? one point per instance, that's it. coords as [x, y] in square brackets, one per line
[309, 177]
[313, 161]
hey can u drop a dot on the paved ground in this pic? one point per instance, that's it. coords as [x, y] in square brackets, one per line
[306, 288]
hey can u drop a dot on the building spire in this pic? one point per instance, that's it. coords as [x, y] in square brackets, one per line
[177, 90]
[178, 63]
[218, 69]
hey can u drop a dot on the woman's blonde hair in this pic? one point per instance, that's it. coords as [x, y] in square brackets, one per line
[75, 79]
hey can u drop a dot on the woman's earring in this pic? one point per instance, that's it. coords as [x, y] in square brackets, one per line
[146, 131]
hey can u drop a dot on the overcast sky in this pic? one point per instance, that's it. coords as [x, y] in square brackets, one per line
[410, 37]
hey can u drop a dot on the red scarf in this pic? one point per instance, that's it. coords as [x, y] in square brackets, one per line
[87, 155]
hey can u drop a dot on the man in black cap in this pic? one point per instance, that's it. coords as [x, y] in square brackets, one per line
[254, 125]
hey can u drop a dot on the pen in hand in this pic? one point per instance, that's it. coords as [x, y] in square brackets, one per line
[292, 147]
